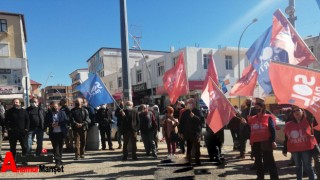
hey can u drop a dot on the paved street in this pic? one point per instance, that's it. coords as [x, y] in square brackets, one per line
[108, 165]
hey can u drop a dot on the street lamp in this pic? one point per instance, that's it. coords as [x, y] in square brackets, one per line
[253, 21]
[145, 61]
[45, 86]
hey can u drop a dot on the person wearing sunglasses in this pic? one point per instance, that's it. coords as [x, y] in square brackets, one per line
[299, 140]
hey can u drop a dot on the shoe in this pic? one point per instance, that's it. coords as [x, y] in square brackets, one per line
[154, 155]
[24, 163]
[81, 156]
[135, 158]
[111, 149]
[120, 146]
[76, 158]
[124, 158]
[104, 148]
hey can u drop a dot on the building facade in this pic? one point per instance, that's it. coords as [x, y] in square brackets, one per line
[77, 77]
[35, 89]
[196, 62]
[107, 63]
[314, 45]
[14, 73]
[56, 93]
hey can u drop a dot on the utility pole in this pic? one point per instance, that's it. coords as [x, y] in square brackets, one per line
[125, 51]
[290, 10]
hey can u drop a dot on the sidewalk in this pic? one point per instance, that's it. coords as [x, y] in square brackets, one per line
[108, 165]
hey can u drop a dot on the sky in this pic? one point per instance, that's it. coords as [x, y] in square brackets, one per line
[63, 34]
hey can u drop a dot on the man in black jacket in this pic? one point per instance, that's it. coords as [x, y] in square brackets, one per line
[119, 120]
[36, 116]
[104, 118]
[79, 122]
[17, 122]
[190, 129]
[130, 127]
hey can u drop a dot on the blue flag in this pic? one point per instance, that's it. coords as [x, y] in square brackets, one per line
[318, 1]
[95, 92]
[260, 55]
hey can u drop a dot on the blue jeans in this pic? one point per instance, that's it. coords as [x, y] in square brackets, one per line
[39, 135]
[303, 159]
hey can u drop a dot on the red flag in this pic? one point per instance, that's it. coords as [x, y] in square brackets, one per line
[298, 86]
[221, 111]
[175, 80]
[246, 84]
[211, 72]
[284, 36]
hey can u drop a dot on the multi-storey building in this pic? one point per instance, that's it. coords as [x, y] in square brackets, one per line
[77, 77]
[196, 60]
[314, 46]
[14, 78]
[107, 62]
[35, 89]
[56, 93]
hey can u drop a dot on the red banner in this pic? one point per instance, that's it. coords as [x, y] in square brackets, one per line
[246, 84]
[212, 72]
[221, 111]
[175, 80]
[296, 85]
[284, 36]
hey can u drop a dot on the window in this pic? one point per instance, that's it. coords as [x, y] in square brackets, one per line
[175, 60]
[4, 50]
[3, 25]
[229, 62]
[139, 76]
[111, 85]
[160, 68]
[206, 58]
[119, 82]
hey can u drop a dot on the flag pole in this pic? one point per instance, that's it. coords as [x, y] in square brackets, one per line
[109, 92]
[223, 94]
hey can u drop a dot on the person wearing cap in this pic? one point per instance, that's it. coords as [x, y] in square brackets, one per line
[262, 139]
[300, 141]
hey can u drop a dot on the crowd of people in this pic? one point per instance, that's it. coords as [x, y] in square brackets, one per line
[182, 126]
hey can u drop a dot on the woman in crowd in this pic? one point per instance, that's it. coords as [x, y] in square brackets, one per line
[300, 141]
[262, 139]
[170, 130]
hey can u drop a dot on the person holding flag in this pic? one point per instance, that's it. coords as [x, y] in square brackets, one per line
[190, 129]
[300, 141]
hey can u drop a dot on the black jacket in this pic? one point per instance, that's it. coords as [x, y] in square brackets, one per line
[131, 121]
[104, 118]
[191, 127]
[36, 111]
[63, 121]
[17, 120]
[79, 115]
[147, 122]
